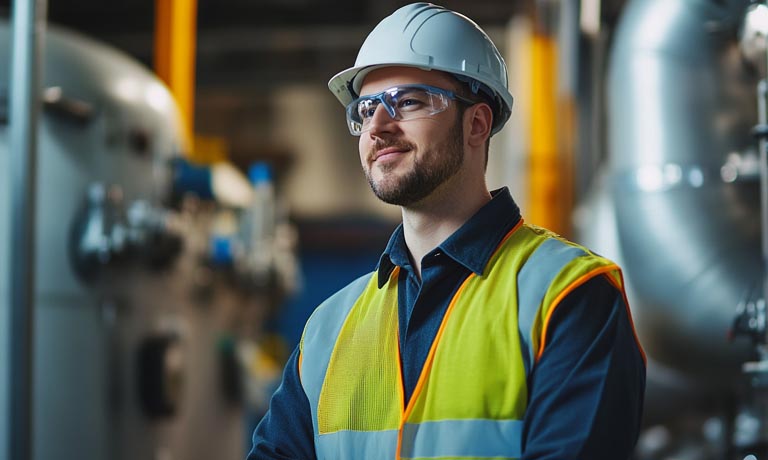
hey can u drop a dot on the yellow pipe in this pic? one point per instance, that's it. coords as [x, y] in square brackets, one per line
[568, 137]
[175, 40]
[550, 198]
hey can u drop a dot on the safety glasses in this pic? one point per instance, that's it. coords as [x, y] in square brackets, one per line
[402, 103]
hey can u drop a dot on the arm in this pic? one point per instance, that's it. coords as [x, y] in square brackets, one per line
[586, 391]
[285, 432]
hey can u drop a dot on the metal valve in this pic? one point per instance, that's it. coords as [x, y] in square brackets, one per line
[106, 232]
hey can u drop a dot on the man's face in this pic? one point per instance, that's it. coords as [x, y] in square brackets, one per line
[405, 161]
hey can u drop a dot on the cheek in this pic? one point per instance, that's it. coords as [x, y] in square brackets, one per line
[363, 146]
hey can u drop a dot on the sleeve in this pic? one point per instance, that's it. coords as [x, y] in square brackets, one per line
[285, 432]
[586, 391]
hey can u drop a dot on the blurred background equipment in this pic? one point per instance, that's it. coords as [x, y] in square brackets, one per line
[124, 351]
[677, 202]
[182, 225]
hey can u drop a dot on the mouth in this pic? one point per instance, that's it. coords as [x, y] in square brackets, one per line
[389, 152]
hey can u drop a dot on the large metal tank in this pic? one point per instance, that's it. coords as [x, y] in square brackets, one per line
[117, 328]
[681, 191]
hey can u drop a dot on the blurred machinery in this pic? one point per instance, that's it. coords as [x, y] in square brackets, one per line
[678, 204]
[124, 281]
[130, 302]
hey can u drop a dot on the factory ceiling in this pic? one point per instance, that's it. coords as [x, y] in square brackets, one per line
[264, 42]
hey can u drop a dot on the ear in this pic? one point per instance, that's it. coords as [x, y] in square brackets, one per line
[480, 123]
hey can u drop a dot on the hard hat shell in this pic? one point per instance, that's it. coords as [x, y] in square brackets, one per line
[429, 37]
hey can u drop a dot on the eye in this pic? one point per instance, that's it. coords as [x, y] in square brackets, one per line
[366, 109]
[410, 103]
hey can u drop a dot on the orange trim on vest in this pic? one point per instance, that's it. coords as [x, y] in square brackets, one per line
[394, 275]
[555, 303]
[629, 313]
[299, 365]
[431, 355]
[401, 386]
[506, 237]
[613, 281]
[427, 365]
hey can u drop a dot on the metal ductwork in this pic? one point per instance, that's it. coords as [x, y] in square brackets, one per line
[682, 104]
[683, 182]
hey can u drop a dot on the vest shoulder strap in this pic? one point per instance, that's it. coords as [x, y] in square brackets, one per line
[535, 279]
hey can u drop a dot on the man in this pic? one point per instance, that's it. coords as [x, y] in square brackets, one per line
[478, 336]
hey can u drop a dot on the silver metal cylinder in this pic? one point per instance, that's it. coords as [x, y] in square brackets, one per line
[762, 93]
[681, 110]
[28, 30]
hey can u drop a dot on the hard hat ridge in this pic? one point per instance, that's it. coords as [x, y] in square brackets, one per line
[430, 37]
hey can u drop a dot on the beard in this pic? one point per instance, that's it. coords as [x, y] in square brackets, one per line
[429, 171]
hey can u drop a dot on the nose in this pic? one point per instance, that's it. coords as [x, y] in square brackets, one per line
[381, 122]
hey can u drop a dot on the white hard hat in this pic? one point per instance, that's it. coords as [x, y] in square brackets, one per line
[431, 37]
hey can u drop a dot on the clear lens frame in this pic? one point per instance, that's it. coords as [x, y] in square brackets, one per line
[402, 103]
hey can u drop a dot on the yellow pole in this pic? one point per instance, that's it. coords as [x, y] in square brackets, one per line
[568, 137]
[545, 181]
[175, 40]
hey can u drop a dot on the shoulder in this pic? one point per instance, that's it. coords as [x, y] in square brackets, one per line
[542, 255]
[551, 252]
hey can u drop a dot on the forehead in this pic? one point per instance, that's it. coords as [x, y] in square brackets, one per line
[387, 77]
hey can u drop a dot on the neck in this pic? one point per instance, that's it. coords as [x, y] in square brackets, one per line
[431, 221]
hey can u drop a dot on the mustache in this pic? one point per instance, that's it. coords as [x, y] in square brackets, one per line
[380, 144]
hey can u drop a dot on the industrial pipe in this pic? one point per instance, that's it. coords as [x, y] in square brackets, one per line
[28, 34]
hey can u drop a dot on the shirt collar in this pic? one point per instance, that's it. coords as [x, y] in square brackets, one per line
[472, 245]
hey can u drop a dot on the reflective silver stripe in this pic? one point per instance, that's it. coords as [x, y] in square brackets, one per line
[463, 438]
[357, 445]
[320, 338]
[533, 280]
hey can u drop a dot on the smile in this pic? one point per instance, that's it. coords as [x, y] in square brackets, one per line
[389, 152]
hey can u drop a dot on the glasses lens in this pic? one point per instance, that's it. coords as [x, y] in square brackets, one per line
[402, 103]
[410, 103]
[366, 107]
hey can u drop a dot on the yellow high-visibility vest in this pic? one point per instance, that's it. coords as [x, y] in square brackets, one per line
[471, 396]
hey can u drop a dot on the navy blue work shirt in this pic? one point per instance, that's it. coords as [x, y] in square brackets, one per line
[585, 392]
